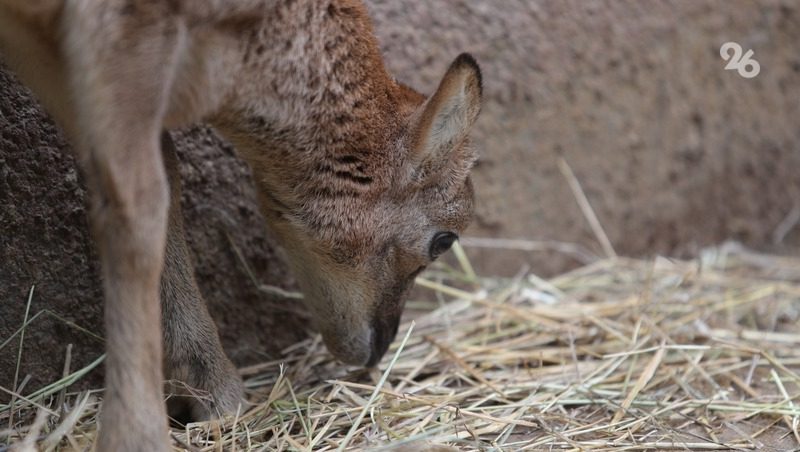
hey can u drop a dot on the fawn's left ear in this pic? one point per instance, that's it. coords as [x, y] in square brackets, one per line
[446, 117]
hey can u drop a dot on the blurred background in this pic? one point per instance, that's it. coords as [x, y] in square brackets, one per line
[673, 152]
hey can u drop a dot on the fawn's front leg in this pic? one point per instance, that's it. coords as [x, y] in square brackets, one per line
[121, 69]
[203, 380]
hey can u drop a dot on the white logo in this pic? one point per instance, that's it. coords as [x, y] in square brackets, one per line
[745, 65]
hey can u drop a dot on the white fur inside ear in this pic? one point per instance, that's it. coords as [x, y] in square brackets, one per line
[450, 124]
[444, 121]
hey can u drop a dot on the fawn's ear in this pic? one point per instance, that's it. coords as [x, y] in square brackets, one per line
[446, 117]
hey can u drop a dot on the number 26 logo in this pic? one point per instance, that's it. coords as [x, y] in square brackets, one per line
[745, 65]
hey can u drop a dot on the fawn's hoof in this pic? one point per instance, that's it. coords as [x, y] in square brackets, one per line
[136, 422]
[213, 395]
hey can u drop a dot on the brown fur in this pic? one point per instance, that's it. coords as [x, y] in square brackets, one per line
[356, 173]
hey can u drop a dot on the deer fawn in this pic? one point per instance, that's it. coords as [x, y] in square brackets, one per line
[363, 180]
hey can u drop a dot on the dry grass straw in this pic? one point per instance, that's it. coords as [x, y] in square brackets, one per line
[617, 355]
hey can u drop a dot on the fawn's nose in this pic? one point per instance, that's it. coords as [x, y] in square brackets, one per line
[383, 332]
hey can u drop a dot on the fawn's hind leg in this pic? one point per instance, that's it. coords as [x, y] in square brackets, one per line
[121, 68]
[193, 354]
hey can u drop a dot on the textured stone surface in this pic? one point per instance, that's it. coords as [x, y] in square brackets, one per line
[674, 153]
[45, 243]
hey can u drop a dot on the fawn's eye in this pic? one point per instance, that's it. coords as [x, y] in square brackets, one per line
[441, 242]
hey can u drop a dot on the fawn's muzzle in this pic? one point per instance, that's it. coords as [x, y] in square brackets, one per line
[383, 332]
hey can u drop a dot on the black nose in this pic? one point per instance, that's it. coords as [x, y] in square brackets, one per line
[383, 333]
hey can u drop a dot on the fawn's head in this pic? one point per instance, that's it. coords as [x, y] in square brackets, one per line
[360, 224]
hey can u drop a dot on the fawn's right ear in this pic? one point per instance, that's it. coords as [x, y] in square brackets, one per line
[446, 117]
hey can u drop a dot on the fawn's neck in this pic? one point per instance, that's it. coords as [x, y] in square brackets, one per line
[322, 111]
[313, 81]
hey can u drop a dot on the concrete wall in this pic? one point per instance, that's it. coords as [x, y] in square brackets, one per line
[673, 152]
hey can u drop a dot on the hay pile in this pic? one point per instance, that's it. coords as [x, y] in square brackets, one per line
[618, 355]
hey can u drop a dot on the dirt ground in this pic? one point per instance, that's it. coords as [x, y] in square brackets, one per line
[674, 153]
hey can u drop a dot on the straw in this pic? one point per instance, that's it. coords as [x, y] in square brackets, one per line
[621, 354]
